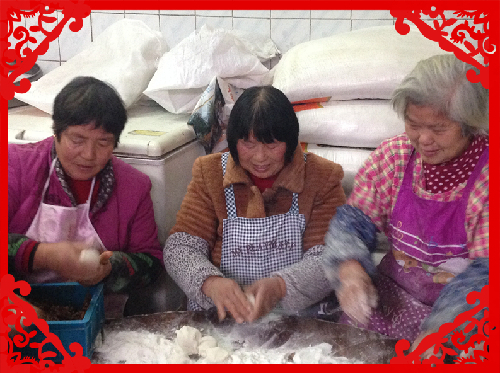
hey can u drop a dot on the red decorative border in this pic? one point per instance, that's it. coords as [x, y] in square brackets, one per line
[479, 31]
[18, 59]
[14, 311]
[82, 11]
[437, 341]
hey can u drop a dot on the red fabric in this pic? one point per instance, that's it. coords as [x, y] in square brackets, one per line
[26, 255]
[81, 190]
[263, 184]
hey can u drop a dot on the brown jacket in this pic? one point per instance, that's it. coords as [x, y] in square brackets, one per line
[318, 182]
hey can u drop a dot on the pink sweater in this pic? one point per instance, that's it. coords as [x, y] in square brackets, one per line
[125, 223]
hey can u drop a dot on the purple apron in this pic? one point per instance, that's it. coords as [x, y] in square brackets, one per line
[429, 247]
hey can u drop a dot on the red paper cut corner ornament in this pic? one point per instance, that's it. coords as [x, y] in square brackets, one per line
[16, 59]
[468, 37]
[474, 350]
[15, 312]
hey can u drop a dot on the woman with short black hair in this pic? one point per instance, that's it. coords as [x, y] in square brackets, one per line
[250, 231]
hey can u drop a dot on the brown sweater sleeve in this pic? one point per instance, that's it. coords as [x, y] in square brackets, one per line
[325, 177]
[197, 215]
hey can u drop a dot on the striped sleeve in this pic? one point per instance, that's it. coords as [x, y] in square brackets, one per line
[19, 253]
[132, 271]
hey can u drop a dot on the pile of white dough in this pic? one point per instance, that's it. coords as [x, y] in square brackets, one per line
[191, 347]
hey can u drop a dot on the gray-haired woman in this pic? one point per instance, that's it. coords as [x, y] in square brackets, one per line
[428, 191]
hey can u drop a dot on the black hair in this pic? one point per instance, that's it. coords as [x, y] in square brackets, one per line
[86, 99]
[266, 113]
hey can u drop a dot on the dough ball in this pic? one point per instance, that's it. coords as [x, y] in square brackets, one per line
[216, 355]
[250, 298]
[90, 258]
[188, 339]
[206, 342]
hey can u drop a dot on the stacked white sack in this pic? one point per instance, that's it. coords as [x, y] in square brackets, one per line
[358, 70]
[351, 160]
[354, 123]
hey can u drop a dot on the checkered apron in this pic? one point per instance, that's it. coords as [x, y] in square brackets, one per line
[253, 248]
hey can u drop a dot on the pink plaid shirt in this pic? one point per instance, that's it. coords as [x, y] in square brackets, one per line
[377, 184]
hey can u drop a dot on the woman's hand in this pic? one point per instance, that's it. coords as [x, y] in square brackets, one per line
[227, 295]
[101, 272]
[356, 294]
[267, 292]
[64, 258]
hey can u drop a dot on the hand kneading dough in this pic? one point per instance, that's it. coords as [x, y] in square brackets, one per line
[250, 298]
[188, 338]
[206, 342]
[216, 355]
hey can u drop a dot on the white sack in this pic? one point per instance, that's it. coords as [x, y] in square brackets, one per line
[350, 159]
[356, 123]
[186, 70]
[125, 55]
[366, 63]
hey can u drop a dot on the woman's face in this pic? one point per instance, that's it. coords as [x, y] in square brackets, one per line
[84, 150]
[437, 138]
[261, 160]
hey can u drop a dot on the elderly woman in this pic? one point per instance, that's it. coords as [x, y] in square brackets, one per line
[250, 230]
[428, 191]
[68, 193]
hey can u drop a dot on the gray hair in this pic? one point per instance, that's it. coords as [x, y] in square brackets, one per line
[441, 82]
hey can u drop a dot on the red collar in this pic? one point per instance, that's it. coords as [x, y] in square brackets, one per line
[263, 184]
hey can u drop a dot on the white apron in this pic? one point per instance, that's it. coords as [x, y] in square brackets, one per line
[254, 248]
[53, 223]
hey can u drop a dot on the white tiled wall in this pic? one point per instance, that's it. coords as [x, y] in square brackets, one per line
[285, 27]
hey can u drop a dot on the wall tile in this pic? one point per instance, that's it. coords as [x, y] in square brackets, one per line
[47, 66]
[371, 14]
[321, 28]
[101, 21]
[176, 28]
[290, 13]
[153, 21]
[364, 23]
[108, 11]
[331, 14]
[71, 43]
[214, 13]
[155, 12]
[289, 32]
[252, 13]
[214, 22]
[178, 12]
[256, 25]
[286, 27]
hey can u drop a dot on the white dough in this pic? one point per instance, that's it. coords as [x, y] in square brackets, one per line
[216, 355]
[206, 342]
[188, 339]
[250, 298]
[178, 356]
[90, 258]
